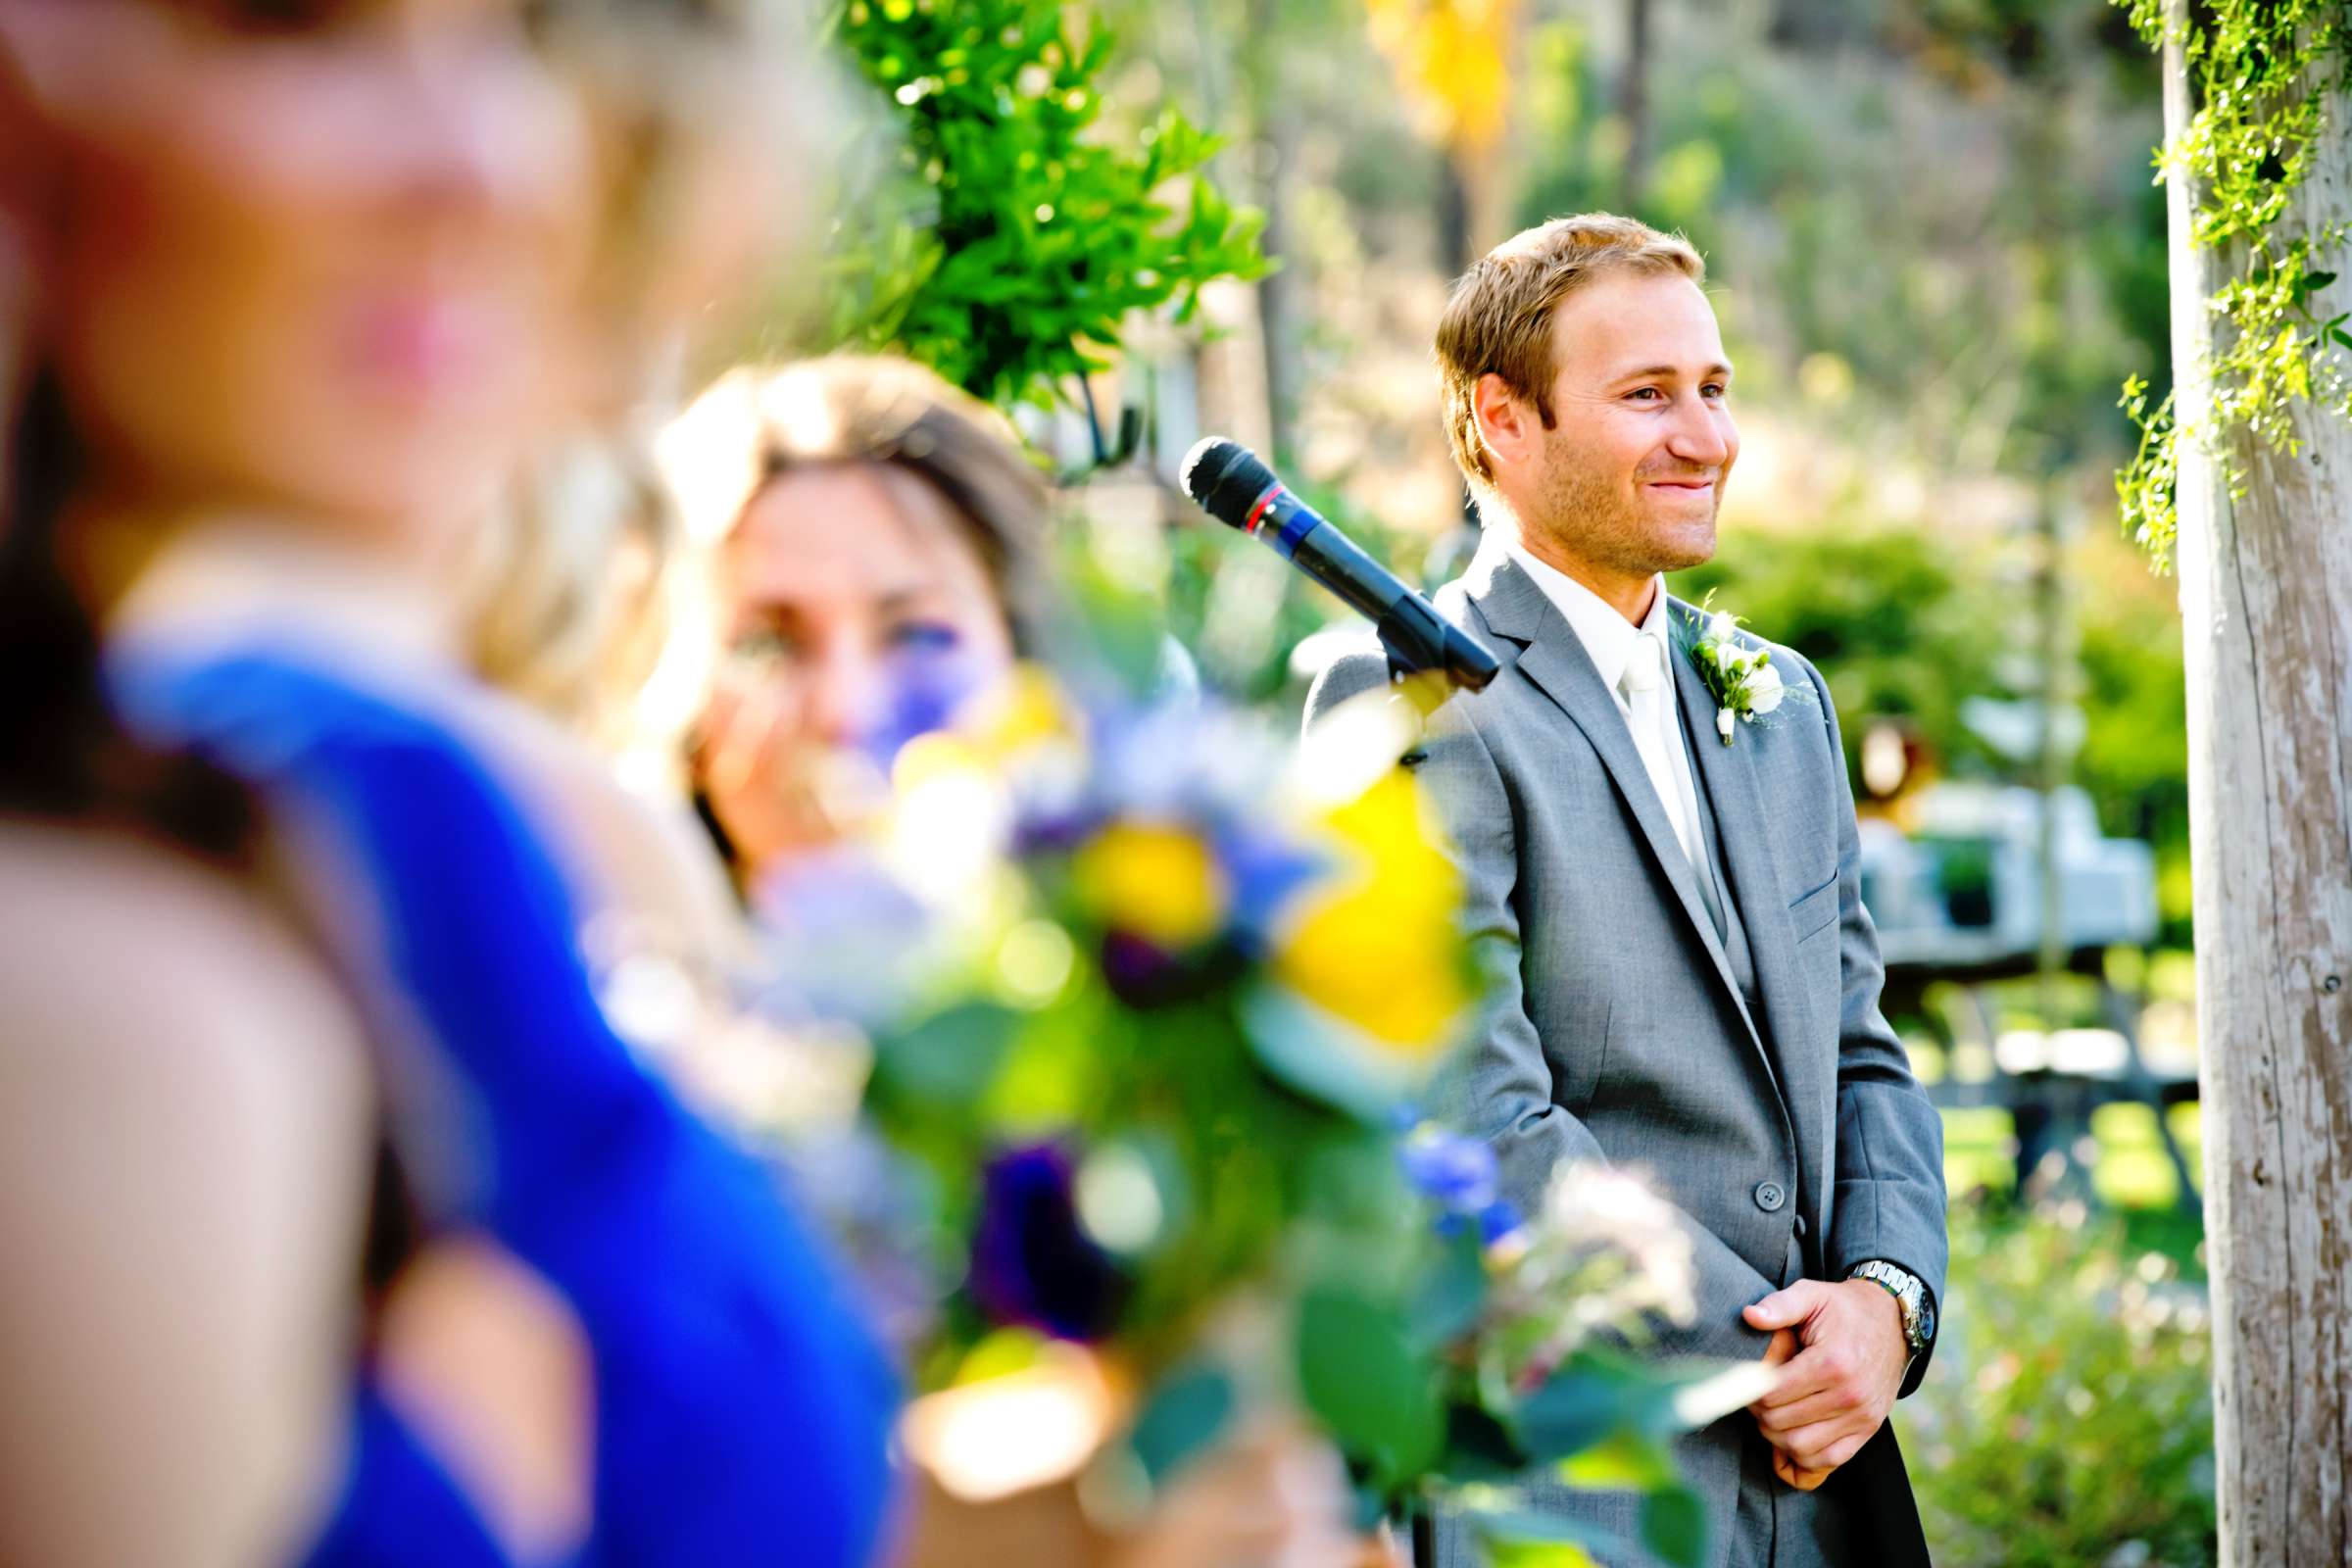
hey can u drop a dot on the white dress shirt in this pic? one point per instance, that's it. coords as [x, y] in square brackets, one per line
[1637, 664]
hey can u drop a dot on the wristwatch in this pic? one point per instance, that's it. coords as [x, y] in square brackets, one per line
[1919, 1314]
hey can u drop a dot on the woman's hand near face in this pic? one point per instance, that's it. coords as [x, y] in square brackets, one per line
[777, 794]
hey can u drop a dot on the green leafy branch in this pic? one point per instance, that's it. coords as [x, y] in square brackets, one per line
[1019, 234]
[2248, 150]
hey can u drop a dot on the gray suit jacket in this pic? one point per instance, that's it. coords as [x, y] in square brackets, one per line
[1750, 1074]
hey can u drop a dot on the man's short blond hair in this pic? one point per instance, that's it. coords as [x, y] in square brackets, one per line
[1498, 321]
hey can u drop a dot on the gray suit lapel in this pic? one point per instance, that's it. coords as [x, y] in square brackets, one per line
[1555, 661]
[1745, 845]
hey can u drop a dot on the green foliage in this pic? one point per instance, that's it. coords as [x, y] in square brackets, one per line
[2068, 1414]
[2246, 151]
[2135, 699]
[1018, 235]
[1899, 622]
[1906, 625]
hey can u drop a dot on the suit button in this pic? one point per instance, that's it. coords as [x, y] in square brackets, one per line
[1770, 1196]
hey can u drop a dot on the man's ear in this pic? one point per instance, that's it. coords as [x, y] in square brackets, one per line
[1506, 425]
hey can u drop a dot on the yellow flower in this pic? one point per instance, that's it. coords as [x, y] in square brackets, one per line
[1155, 881]
[1027, 713]
[1378, 944]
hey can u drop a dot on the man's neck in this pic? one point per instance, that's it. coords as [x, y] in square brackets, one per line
[1629, 596]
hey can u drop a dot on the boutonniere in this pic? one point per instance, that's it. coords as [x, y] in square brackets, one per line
[1742, 679]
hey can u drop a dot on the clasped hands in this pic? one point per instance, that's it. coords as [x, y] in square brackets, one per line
[1843, 1356]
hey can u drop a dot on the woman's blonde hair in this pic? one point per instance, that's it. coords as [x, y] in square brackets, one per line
[579, 593]
[756, 425]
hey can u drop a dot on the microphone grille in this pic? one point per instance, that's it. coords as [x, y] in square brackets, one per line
[1226, 478]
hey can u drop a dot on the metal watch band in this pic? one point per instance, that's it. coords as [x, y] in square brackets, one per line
[1909, 1295]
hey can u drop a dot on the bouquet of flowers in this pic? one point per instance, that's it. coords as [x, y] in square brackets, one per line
[1162, 993]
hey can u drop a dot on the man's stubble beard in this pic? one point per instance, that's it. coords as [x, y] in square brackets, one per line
[1587, 517]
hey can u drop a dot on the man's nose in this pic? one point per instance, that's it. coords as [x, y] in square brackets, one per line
[1702, 434]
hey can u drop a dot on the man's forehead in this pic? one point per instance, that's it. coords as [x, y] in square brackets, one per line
[1624, 325]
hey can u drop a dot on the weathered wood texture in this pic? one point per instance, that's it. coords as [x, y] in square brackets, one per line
[2266, 595]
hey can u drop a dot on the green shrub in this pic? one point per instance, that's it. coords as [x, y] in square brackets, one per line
[2068, 1422]
[1020, 231]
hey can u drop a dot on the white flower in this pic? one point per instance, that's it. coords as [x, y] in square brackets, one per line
[1724, 721]
[1721, 627]
[1763, 689]
[1603, 1252]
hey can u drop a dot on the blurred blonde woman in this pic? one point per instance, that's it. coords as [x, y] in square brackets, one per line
[877, 538]
[315, 283]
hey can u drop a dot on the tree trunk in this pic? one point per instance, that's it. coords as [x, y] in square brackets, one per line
[2266, 598]
[1281, 294]
[1632, 106]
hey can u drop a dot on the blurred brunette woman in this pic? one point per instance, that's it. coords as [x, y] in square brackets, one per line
[880, 561]
[313, 283]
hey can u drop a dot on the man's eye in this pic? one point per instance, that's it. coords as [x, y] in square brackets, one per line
[1715, 389]
[1646, 394]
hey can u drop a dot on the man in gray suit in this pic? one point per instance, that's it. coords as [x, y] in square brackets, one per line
[1686, 979]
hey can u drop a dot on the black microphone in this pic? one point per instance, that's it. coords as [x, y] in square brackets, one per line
[1234, 487]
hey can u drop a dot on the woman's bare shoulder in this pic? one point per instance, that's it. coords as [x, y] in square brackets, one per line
[119, 957]
[186, 1141]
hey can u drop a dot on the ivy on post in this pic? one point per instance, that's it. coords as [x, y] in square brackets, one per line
[2258, 74]
[2244, 478]
[1019, 230]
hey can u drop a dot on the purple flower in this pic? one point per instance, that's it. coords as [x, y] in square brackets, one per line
[1031, 1263]
[1144, 975]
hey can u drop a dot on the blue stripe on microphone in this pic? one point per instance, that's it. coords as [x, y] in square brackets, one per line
[1295, 527]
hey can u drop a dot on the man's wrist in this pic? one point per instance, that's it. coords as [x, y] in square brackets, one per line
[1913, 1305]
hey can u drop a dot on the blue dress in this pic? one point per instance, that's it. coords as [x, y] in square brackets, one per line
[741, 1411]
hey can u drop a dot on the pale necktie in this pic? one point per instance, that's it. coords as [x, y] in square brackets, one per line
[1648, 695]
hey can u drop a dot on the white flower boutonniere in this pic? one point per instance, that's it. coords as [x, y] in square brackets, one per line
[1742, 679]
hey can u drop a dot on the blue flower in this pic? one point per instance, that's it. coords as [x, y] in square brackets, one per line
[1459, 1174]
[1496, 1222]
[1265, 870]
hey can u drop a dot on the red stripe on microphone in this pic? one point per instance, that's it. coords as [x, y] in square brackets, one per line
[1258, 511]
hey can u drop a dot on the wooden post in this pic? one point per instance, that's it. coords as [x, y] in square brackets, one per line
[2266, 598]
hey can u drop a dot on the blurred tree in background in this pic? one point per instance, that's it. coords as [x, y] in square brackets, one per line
[1910, 625]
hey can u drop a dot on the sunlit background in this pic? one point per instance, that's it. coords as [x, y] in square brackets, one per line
[1936, 252]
